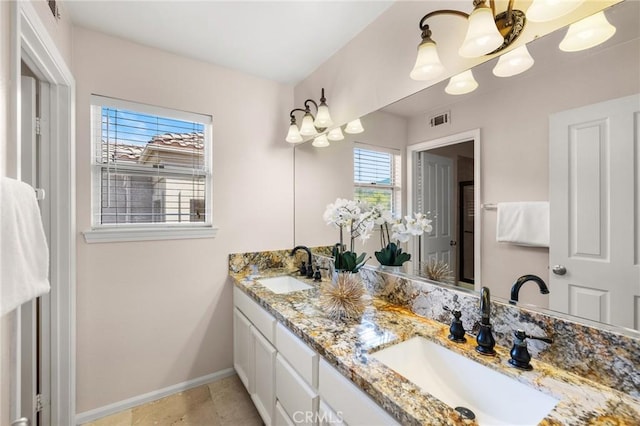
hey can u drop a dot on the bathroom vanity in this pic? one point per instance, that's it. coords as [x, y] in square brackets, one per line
[301, 367]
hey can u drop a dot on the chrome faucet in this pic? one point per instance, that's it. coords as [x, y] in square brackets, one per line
[485, 339]
[515, 289]
[307, 269]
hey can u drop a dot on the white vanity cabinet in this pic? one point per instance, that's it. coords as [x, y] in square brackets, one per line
[348, 402]
[288, 381]
[254, 355]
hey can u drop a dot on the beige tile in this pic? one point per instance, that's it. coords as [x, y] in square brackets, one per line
[233, 404]
[184, 408]
[123, 418]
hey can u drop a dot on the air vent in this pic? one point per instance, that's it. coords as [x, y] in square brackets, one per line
[440, 119]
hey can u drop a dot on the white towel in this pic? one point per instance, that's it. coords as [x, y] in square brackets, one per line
[523, 223]
[24, 255]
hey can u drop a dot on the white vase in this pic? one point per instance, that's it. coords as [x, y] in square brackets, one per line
[391, 269]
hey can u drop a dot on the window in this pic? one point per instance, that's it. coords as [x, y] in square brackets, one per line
[376, 176]
[151, 169]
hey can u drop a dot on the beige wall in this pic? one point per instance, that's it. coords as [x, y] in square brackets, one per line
[58, 29]
[153, 314]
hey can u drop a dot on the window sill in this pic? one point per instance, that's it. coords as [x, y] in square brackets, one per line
[114, 235]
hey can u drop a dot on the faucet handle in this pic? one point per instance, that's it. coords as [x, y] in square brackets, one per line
[457, 330]
[520, 356]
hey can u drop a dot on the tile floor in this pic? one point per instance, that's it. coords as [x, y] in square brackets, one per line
[221, 403]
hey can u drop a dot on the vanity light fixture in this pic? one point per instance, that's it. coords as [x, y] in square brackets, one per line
[514, 62]
[310, 125]
[548, 10]
[487, 33]
[587, 33]
[321, 141]
[462, 83]
[354, 127]
[335, 134]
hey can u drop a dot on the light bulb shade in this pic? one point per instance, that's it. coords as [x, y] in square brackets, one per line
[307, 128]
[514, 62]
[428, 65]
[293, 136]
[587, 33]
[482, 34]
[354, 127]
[335, 134]
[321, 141]
[548, 10]
[323, 118]
[461, 84]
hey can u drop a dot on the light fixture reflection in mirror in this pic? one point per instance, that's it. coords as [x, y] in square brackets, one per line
[462, 83]
[321, 141]
[335, 134]
[514, 62]
[354, 127]
[587, 33]
[548, 10]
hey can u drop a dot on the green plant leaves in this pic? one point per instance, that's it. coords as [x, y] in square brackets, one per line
[348, 261]
[392, 255]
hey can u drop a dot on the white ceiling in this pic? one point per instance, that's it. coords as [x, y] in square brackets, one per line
[283, 41]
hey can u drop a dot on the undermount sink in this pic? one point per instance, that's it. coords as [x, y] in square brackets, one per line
[494, 399]
[284, 284]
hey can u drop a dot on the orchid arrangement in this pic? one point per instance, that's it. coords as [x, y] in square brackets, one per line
[354, 216]
[401, 231]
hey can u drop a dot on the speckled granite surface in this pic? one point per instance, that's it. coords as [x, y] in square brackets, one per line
[596, 384]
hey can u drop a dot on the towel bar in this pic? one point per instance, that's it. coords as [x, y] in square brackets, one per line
[489, 206]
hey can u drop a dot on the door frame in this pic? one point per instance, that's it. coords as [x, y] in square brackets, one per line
[31, 43]
[467, 136]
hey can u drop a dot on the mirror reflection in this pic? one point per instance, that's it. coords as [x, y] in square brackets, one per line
[497, 143]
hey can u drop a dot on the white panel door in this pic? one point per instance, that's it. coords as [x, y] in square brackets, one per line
[594, 183]
[437, 198]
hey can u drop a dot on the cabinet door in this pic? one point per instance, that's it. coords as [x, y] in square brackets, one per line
[243, 349]
[263, 394]
[298, 399]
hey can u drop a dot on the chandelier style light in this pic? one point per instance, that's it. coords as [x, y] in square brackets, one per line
[316, 126]
[489, 33]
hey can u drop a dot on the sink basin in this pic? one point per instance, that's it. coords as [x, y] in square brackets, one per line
[494, 399]
[284, 284]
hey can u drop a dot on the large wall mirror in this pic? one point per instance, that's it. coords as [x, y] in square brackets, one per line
[497, 142]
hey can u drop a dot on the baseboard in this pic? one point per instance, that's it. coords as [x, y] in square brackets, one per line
[107, 410]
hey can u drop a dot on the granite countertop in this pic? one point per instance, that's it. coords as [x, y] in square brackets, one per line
[347, 345]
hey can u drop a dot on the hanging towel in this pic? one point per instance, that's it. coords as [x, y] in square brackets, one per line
[24, 255]
[523, 223]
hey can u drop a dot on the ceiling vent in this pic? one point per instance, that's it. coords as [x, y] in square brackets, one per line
[440, 119]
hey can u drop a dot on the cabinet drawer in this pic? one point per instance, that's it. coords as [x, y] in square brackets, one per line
[261, 319]
[298, 399]
[281, 418]
[328, 417]
[302, 358]
[353, 405]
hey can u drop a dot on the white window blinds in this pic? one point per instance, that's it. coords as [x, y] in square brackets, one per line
[151, 165]
[377, 176]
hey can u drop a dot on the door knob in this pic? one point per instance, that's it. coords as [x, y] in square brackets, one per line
[559, 270]
[453, 243]
[20, 422]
